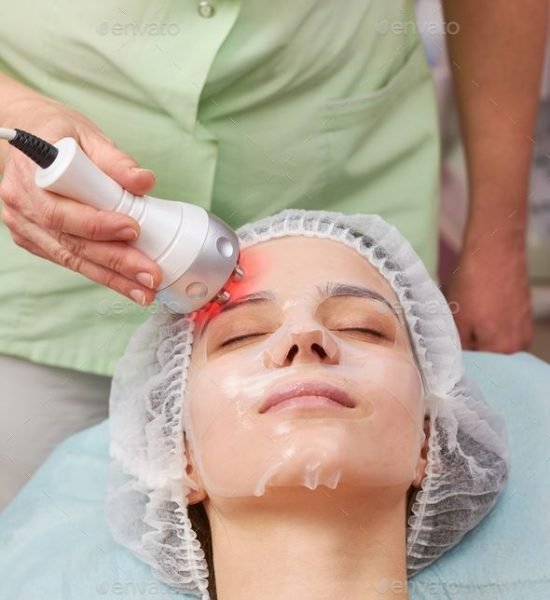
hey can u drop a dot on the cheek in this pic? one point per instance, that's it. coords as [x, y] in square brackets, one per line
[200, 399]
[398, 398]
[397, 423]
[206, 399]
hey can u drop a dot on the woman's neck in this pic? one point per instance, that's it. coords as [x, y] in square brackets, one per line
[299, 544]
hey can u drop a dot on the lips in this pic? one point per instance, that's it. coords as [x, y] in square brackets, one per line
[324, 390]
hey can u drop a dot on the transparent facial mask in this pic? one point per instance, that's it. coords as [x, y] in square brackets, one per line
[304, 405]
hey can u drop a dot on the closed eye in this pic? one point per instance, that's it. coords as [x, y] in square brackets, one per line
[365, 330]
[239, 338]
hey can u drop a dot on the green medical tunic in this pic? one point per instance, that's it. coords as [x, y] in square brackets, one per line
[243, 107]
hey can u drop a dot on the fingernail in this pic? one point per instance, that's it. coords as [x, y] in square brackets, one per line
[138, 296]
[139, 171]
[128, 233]
[145, 279]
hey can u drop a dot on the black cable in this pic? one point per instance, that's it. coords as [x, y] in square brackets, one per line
[38, 150]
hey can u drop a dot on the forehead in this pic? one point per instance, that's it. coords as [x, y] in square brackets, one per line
[294, 264]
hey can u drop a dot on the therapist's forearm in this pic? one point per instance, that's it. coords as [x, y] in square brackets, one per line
[496, 59]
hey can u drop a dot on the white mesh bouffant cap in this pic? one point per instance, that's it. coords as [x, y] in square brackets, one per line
[467, 462]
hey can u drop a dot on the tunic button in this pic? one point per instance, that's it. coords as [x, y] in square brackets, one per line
[206, 9]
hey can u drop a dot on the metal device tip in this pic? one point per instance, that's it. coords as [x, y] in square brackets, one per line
[238, 273]
[223, 297]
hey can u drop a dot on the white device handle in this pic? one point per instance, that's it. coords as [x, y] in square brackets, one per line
[74, 175]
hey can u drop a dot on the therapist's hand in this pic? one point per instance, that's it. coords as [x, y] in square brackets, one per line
[62, 230]
[491, 299]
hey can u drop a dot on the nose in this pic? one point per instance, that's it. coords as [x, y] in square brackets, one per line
[302, 347]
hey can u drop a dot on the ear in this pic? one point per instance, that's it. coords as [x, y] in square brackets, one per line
[198, 495]
[423, 459]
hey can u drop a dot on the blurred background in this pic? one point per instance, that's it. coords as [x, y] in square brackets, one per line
[454, 184]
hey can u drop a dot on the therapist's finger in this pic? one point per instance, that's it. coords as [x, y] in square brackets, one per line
[57, 213]
[470, 342]
[99, 274]
[117, 164]
[72, 253]
[23, 201]
[466, 331]
[115, 256]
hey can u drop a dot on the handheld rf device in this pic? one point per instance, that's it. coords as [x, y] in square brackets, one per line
[197, 252]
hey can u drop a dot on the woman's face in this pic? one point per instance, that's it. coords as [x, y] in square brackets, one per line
[304, 378]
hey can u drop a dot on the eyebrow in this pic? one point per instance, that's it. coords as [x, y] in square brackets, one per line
[330, 290]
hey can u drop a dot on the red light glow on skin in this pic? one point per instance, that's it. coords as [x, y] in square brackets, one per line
[252, 267]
